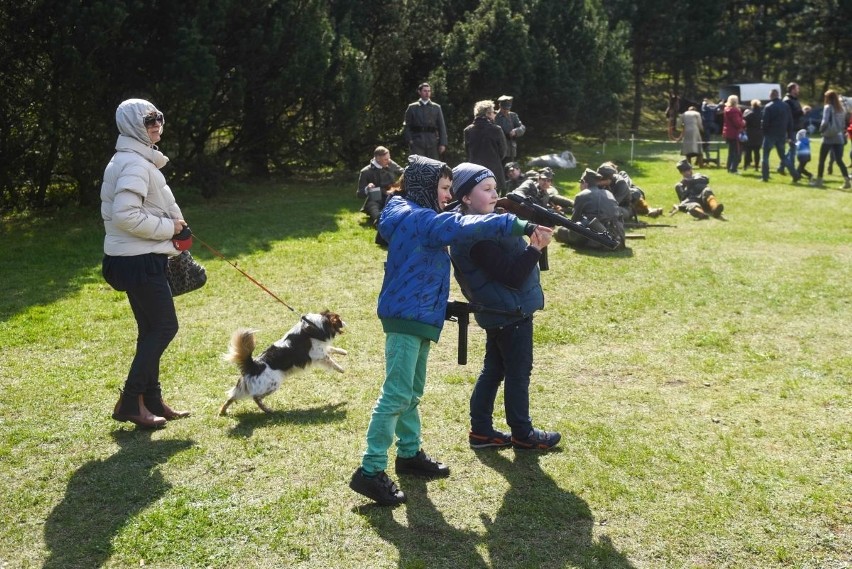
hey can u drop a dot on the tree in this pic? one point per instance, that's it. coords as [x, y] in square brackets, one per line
[556, 57]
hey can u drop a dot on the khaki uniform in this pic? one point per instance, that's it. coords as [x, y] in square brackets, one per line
[696, 198]
[594, 203]
[513, 128]
[424, 129]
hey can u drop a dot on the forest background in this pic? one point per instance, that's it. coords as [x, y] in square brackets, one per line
[254, 88]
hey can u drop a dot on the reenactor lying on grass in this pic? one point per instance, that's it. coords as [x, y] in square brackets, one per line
[696, 198]
[630, 197]
[539, 188]
[596, 207]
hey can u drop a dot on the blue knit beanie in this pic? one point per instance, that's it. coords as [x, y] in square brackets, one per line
[466, 176]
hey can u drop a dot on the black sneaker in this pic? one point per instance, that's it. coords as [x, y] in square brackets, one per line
[421, 464]
[537, 440]
[494, 439]
[379, 488]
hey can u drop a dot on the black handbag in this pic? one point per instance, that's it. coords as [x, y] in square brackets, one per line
[185, 274]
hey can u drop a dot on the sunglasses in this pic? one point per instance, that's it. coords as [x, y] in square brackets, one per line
[153, 117]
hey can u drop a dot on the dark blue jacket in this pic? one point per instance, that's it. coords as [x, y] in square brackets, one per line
[480, 288]
[777, 120]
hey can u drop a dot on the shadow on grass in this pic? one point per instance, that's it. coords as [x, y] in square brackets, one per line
[537, 525]
[48, 257]
[428, 540]
[541, 525]
[103, 495]
[248, 421]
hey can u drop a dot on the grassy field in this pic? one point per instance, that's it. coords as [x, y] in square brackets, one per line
[700, 379]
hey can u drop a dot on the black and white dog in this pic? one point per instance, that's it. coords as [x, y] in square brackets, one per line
[308, 342]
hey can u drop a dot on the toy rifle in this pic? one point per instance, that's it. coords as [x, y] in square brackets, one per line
[527, 209]
[459, 311]
[644, 224]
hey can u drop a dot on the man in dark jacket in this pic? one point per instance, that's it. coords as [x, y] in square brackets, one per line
[792, 101]
[485, 143]
[777, 125]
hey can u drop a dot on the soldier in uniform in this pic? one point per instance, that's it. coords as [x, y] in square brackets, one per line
[630, 198]
[374, 182]
[696, 198]
[512, 126]
[540, 189]
[424, 129]
[514, 176]
[595, 207]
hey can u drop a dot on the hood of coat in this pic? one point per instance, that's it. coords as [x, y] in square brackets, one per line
[133, 137]
[421, 181]
[130, 119]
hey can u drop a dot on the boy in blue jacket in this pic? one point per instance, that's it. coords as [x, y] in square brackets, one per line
[412, 307]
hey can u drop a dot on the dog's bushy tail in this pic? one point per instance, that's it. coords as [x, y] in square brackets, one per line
[241, 349]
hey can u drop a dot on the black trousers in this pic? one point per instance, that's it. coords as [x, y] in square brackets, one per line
[143, 278]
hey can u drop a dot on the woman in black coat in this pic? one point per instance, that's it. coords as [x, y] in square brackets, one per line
[485, 142]
[752, 117]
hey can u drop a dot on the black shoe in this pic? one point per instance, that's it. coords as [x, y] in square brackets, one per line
[537, 440]
[379, 488]
[421, 464]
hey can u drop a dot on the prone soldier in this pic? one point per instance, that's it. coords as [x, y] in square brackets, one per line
[630, 197]
[696, 197]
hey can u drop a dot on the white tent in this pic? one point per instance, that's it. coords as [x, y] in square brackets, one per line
[748, 91]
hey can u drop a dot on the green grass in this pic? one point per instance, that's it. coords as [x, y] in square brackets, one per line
[701, 380]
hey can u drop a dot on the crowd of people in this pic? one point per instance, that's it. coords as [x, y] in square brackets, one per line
[782, 125]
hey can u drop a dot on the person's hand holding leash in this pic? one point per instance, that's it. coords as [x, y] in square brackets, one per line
[183, 239]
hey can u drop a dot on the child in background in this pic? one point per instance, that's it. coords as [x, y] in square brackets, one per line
[412, 307]
[803, 152]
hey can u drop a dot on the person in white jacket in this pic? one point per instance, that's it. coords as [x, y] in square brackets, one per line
[141, 218]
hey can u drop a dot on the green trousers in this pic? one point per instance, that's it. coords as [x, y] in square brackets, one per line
[397, 413]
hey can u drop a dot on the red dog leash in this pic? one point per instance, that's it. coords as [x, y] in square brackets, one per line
[245, 274]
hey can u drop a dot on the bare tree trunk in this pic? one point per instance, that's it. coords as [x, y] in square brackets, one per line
[638, 88]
